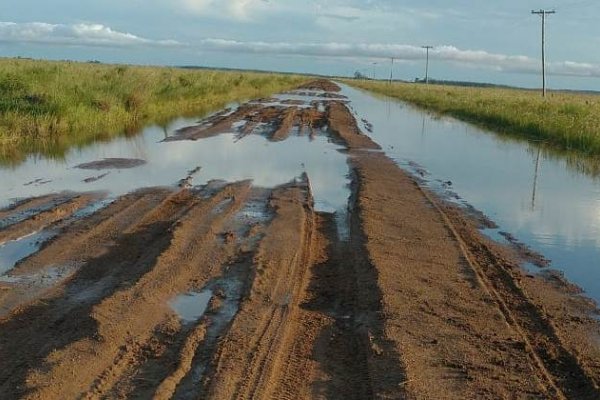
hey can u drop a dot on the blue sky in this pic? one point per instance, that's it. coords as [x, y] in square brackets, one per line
[474, 40]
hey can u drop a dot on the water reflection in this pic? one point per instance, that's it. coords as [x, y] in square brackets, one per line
[225, 157]
[535, 178]
[267, 164]
[547, 198]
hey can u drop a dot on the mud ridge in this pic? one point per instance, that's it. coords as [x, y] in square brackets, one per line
[322, 85]
[559, 373]
[402, 298]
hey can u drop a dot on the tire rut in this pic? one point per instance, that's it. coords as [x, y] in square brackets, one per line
[77, 324]
[565, 376]
[261, 329]
[193, 255]
[410, 302]
[44, 219]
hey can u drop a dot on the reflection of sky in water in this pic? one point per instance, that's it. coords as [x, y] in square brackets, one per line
[191, 306]
[15, 250]
[496, 177]
[267, 164]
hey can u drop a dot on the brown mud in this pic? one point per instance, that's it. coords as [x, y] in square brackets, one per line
[274, 122]
[112, 163]
[321, 84]
[415, 303]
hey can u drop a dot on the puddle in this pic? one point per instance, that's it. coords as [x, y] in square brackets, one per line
[28, 287]
[530, 268]
[254, 213]
[549, 201]
[496, 235]
[65, 177]
[21, 216]
[296, 101]
[307, 97]
[225, 157]
[45, 278]
[227, 291]
[191, 306]
[90, 209]
[13, 251]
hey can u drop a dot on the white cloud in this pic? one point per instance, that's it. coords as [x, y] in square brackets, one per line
[315, 49]
[242, 10]
[343, 13]
[101, 35]
[78, 34]
[451, 54]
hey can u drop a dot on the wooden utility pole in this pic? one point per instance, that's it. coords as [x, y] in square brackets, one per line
[427, 63]
[392, 71]
[543, 13]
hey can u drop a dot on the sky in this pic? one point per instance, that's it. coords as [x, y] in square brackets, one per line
[474, 40]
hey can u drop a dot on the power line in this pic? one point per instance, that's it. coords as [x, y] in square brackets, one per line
[427, 63]
[543, 14]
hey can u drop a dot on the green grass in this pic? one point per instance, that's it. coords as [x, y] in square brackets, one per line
[48, 107]
[563, 120]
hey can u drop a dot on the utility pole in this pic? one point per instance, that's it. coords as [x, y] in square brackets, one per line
[427, 63]
[374, 65]
[392, 71]
[543, 13]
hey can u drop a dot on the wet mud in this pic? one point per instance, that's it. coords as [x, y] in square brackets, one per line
[112, 163]
[227, 290]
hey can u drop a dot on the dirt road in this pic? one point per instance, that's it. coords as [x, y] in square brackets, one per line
[412, 302]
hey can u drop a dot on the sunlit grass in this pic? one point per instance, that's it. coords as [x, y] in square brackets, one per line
[565, 120]
[47, 107]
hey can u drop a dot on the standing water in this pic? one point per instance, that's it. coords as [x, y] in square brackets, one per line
[165, 163]
[549, 202]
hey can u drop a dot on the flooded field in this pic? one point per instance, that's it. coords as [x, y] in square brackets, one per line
[220, 158]
[548, 201]
[275, 249]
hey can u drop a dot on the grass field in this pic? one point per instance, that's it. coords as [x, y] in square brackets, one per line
[563, 120]
[48, 107]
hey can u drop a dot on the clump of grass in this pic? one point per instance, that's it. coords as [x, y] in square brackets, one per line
[47, 107]
[564, 120]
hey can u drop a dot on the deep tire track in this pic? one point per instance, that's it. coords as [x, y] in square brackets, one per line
[565, 376]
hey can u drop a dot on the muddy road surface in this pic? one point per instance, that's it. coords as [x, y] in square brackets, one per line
[232, 290]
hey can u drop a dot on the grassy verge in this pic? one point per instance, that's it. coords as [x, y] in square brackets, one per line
[563, 120]
[48, 107]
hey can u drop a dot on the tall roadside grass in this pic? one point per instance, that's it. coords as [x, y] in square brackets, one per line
[47, 107]
[564, 120]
